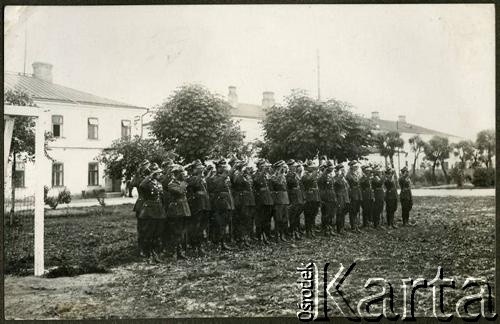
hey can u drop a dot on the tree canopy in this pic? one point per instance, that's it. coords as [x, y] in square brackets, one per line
[196, 123]
[485, 143]
[305, 127]
[388, 144]
[124, 156]
[437, 151]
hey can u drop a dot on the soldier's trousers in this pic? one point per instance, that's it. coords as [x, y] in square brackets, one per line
[140, 235]
[294, 211]
[378, 207]
[175, 233]
[353, 213]
[198, 224]
[341, 213]
[328, 211]
[311, 209]
[263, 220]
[152, 230]
[281, 218]
[367, 206]
[243, 222]
[221, 219]
[405, 212]
[391, 206]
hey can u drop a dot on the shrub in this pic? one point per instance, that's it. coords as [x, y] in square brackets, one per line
[64, 196]
[53, 198]
[458, 175]
[100, 195]
[483, 177]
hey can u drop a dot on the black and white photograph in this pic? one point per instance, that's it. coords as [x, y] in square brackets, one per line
[301, 161]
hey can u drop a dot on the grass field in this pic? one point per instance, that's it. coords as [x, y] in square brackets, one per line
[457, 234]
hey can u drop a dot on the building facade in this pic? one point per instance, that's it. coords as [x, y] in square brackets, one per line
[82, 124]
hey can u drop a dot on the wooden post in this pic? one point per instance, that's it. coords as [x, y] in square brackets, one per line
[39, 203]
[7, 140]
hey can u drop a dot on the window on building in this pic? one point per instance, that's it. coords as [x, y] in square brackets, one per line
[126, 129]
[57, 124]
[93, 128]
[19, 175]
[57, 175]
[93, 174]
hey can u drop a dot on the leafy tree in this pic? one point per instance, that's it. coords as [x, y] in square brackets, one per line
[196, 123]
[124, 156]
[464, 150]
[388, 144]
[417, 146]
[437, 151]
[304, 128]
[485, 143]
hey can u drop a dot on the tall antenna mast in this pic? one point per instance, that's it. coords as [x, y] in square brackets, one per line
[317, 56]
[25, 45]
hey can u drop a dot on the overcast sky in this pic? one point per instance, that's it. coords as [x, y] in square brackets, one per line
[433, 63]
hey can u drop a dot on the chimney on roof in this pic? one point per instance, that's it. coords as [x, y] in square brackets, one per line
[375, 115]
[402, 119]
[267, 99]
[42, 71]
[232, 97]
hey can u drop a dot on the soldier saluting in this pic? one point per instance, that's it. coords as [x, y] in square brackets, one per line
[280, 199]
[199, 205]
[310, 182]
[296, 198]
[378, 192]
[342, 190]
[367, 195]
[405, 195]
[219, 187]
[354, 195]
[139, 176]
[263, 200]
[328, 198]
[152, 213]
[391, 197]
[244, 203]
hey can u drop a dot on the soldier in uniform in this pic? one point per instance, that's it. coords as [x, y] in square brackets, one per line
[354, 195]
[178, 210]
[405, 195]
[342, 191]
[244, 203]
[140, 175]
[199, 205]
[296, 197]
[263, 201]
[311, 191]
[221, 201]
[280, 199]
[152, 214]
[391, 197]
[367, 195]
[378, 192]
[165, 179]
[328, 198]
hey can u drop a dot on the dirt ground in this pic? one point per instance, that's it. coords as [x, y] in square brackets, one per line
[456, 233]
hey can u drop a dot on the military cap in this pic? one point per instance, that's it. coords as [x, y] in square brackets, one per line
[220, 163]
[388, 170]
[299, 162]
[167, 163]
[329, 164]
[310, 165]
[177, 168]
[351, 163]
[279, 164]
[144, 163]
[262, 162]
[339, 166]
[368, 168]
[291, 163]
[197, 164]
[154, 168]
[404, 169]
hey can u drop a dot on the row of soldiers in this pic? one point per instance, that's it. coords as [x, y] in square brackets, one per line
[234, 201]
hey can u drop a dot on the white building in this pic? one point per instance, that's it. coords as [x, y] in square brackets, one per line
[83, 125]
[407, 130]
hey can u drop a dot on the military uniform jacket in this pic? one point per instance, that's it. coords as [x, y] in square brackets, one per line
[279, 192]
[378, 190]
[262, 190]
[311, 189]
[391, 192]
[326, 188]
[197, 194]
[243, 190]
[366, 188]
[354, 189]
[178, 205]
[342, 190]
[405, 185]
[219, 187]
[152, 207]
[165, 180]
[294, 187]
[136, 182]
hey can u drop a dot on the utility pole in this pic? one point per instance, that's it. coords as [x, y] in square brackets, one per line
[25, 45]
[317, 68]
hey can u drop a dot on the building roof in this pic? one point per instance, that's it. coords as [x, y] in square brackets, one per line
[246, 110]
[44, 90]
[404, 127]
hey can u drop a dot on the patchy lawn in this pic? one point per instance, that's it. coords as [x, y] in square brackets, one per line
[456, 233]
